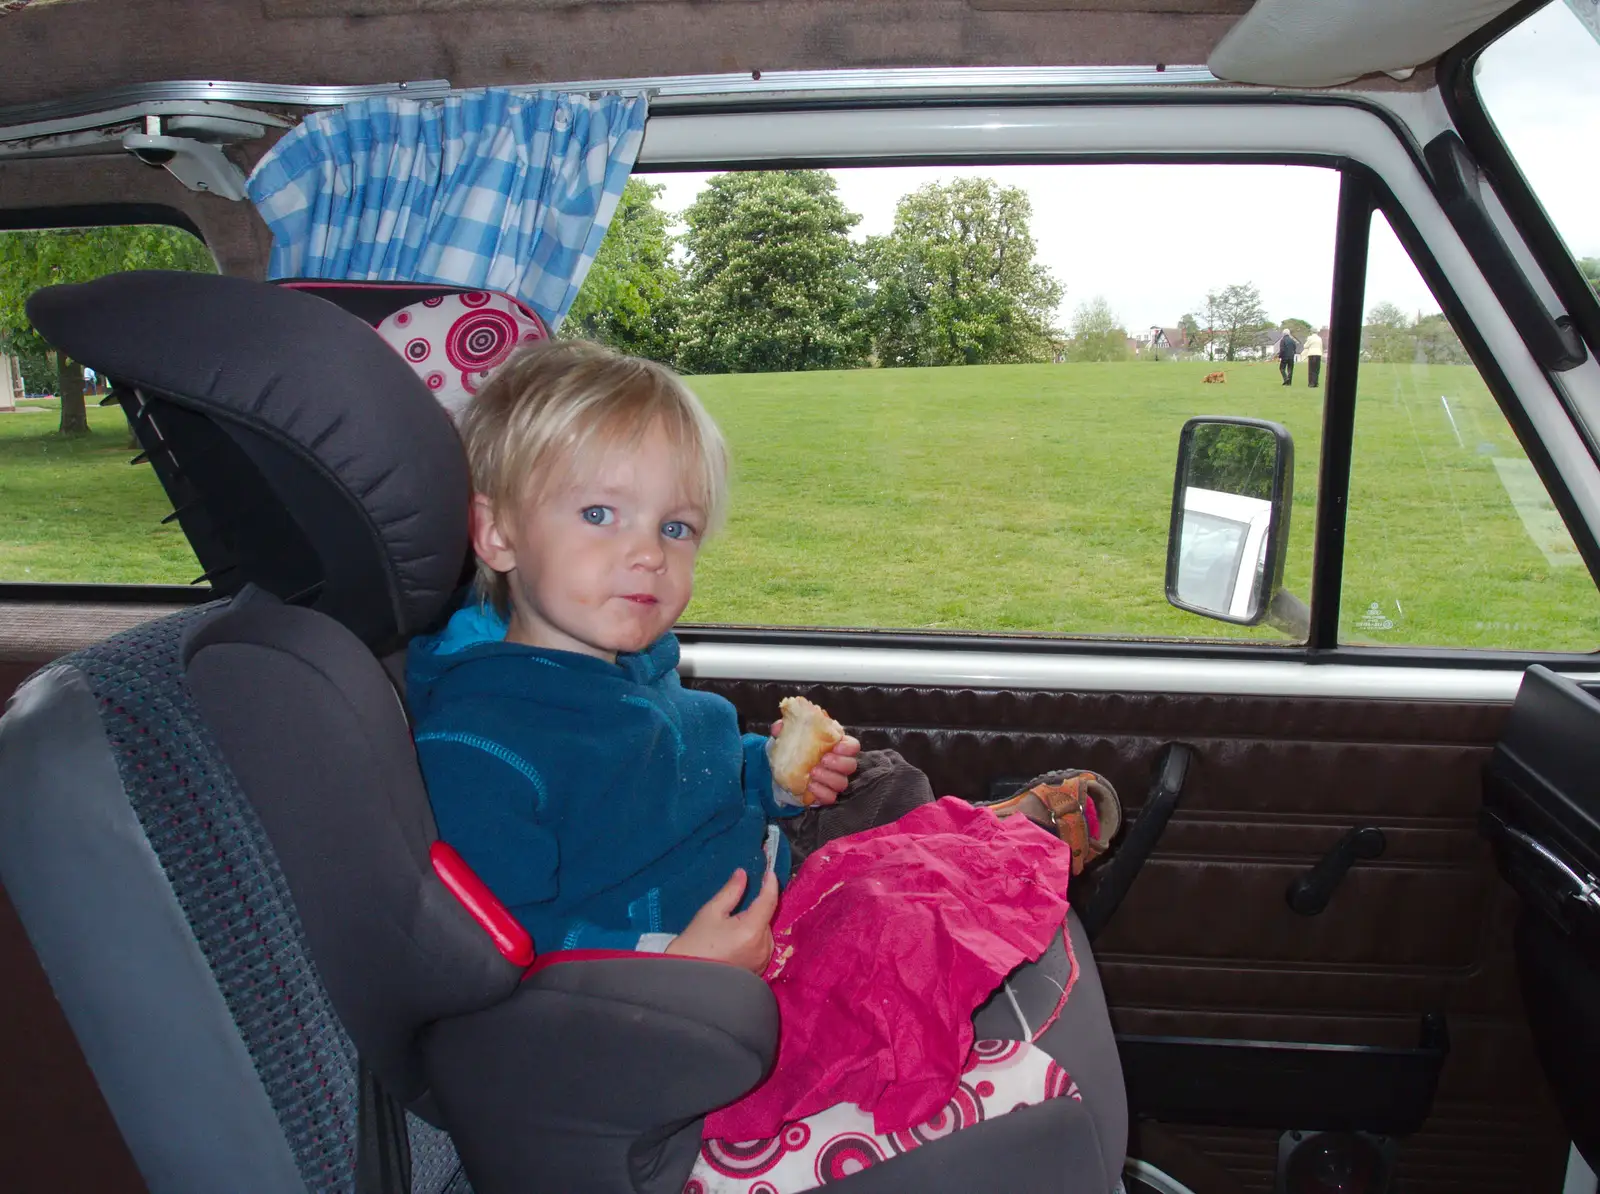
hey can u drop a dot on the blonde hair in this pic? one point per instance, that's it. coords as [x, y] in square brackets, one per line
[554, 403]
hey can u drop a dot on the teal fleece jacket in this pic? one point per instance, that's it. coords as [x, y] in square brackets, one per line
[600, 802]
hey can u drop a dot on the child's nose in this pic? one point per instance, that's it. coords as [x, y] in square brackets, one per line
[645, 551]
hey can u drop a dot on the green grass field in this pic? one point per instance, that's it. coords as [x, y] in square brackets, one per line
[1024, 499]
[73, 510]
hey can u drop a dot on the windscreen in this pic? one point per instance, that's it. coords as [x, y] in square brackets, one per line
[1540, 84]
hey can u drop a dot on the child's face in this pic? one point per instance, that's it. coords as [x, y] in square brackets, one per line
[603, 560]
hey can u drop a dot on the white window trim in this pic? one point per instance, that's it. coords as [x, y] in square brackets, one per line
[1065, 672]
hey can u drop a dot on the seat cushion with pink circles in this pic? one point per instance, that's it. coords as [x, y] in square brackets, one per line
[454, 341]
[453, 336]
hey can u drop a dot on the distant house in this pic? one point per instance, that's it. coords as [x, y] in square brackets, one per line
[1169, 342]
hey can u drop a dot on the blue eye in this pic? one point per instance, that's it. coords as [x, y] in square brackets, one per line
[677, 530]
[598, 516]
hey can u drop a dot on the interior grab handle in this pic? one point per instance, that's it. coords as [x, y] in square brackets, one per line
[1309, 894]
[1117, 875]
[1580, 889]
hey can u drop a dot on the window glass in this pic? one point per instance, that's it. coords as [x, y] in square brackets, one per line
[72, 508]
[954, 396]
[1540, 84]
[1451, 540]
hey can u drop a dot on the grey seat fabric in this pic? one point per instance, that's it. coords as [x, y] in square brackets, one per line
[1080, 1039]
[179, 957]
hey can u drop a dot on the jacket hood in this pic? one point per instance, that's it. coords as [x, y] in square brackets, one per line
[471, 649]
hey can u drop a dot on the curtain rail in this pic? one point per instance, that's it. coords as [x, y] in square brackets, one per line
[745, 85]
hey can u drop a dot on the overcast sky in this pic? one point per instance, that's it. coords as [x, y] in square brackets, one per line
[1154, 239]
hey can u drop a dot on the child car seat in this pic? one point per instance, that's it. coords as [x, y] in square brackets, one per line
[215, 833]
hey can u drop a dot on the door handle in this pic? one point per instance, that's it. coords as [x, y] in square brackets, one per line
[1309, 894]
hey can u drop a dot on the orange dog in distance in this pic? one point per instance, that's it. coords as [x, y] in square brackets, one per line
[1219, 377]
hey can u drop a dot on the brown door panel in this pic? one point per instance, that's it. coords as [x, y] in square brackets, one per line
[1262, 804]
[13, 673]
[33, 633]
[1380, 918]
[1256, 812]
[1265, 838]
[1205, 944]
[56, 1132]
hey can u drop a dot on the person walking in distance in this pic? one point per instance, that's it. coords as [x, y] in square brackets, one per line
[1313, 359]
[1287, 347]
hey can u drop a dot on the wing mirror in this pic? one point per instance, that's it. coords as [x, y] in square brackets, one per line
[1230, 523]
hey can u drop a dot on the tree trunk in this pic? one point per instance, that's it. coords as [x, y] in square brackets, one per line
[69, 388]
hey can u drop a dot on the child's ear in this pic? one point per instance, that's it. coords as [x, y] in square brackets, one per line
[489, 544]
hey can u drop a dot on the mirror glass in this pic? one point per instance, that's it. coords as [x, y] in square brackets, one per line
[1229, 471]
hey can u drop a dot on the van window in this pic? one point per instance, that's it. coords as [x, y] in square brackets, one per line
[954, 395]
[1540, 84]
[73, 510]
[1452, 540]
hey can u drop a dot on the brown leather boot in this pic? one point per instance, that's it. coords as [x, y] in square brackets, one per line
[1080, 807]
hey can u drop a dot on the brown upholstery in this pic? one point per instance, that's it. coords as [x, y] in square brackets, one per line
[56, 1132]
[1205, 943]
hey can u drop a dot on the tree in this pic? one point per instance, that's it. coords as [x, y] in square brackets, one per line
[1097, 334]
[956, 282]
[1235, 318]
[1589, 267]
[1387, 337]
[31, 260]
[1194, 338]
[1233, 459]
[771, 282]
[1299, 328]
[1437, 343]
[632, 298]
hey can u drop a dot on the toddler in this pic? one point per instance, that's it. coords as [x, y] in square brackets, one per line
[606, 805]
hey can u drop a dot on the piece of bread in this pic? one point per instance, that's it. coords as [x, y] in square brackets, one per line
[808, 734]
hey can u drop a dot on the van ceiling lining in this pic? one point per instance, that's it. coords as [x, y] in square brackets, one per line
[527, 42]
[1321, 43]
[532, 42]
[1230, 7]
[103, 109]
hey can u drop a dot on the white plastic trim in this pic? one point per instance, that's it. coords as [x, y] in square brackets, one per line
[1097, 673]
[952, 80]
[1580, 1178]
[1314, 43]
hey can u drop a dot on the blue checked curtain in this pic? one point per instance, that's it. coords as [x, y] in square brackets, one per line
[504, 190]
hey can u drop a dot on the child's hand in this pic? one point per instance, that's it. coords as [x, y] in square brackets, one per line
[833, 770]
[739, 938]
